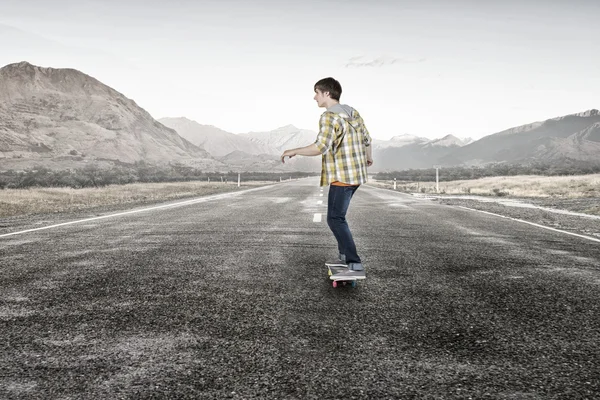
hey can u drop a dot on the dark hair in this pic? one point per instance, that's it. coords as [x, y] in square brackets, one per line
[330, 85]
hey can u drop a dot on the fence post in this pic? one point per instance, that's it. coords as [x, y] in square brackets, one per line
[437, 178]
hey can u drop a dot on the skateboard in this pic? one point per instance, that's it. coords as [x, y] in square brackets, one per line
[332, 271]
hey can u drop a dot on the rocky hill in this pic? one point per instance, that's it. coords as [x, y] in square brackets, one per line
[65, 118]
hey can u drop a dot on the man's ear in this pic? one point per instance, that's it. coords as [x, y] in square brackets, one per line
[326, 94]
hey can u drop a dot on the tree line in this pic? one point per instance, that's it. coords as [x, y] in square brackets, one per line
[95, 176]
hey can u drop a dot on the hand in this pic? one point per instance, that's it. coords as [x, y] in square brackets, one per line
[369, 162]
[287, 153]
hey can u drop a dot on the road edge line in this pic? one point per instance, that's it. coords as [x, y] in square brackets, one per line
[170, 205]
[533, 224]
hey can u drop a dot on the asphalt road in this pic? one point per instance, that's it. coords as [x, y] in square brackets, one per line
[229, 298]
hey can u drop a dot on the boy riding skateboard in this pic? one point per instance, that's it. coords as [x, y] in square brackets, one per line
[345, 146]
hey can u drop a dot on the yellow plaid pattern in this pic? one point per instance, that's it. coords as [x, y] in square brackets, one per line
[343, 142]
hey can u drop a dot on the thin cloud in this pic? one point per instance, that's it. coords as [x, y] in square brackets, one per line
[361, 61]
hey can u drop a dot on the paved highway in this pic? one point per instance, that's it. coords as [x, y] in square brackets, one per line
[228, 297]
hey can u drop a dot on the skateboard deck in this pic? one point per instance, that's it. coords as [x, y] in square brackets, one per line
[332, 271]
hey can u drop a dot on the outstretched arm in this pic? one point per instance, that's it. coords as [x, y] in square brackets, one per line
[310, 150]
[322, 143]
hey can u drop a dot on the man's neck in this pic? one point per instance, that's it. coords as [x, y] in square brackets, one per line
[330, 103]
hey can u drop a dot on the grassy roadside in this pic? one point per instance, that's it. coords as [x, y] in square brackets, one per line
[577, 193]
[17, 202]
[533, 186]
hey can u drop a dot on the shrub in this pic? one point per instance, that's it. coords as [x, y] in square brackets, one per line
[499, 192]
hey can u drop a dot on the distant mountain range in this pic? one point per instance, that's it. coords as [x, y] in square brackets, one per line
[254, 151]
[573, 137]
[216, 141]
[63, 118]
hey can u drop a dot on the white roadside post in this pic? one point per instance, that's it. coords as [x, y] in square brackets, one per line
[437, 178]
[394, 183]
[239, 179]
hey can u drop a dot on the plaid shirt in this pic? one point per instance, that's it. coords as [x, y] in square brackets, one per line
[343, 142]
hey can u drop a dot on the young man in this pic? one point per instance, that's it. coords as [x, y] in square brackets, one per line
[345, 145]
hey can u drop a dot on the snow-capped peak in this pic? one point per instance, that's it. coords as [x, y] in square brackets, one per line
[449, 141]
[584, 114]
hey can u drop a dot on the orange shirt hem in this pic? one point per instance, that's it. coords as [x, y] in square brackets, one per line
[338, 183]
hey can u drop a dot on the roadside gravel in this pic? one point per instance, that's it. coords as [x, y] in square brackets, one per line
[572, 215]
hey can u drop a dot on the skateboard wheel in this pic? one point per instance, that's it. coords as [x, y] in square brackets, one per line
[335, 284]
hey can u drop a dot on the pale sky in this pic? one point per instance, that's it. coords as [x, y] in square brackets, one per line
[427, 68]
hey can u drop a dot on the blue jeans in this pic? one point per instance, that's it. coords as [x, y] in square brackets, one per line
[337, 206]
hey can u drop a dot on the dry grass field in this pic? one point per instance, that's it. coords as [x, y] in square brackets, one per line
[51, 200]
[526, 186]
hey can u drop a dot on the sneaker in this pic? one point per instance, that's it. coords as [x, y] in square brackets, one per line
[356, 267]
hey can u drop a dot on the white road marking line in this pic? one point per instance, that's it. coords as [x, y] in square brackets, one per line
[317, 217]
[183, 203]
[321, 195]
[319, 202]
[534, 224]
